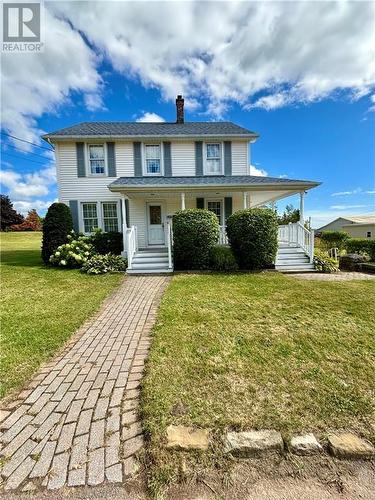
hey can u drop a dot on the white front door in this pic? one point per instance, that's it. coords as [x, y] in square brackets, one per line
[155, 225]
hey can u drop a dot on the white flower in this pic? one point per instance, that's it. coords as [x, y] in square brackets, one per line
[63, 262]
[57, 254]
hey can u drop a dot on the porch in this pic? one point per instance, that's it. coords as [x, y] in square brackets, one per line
[148, 205]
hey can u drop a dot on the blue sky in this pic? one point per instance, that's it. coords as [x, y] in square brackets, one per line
[314, 109]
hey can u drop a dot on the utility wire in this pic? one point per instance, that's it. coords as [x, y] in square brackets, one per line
[28, 142]
[26, 152]
[25, 159]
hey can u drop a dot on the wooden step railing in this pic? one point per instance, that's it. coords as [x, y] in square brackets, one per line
[297, 234]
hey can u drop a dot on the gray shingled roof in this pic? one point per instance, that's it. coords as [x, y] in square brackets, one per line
[211, 180]
[134, 129]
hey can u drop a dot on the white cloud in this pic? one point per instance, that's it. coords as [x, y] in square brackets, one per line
[258, 171]
[22, 187]
[40, 205]
[346, 207]
[225, 52]
[150, 117]
[347, 193]
[34, 84]
[371, 191]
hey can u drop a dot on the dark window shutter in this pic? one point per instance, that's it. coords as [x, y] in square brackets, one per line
[81, 168]
[228, 207]
[227, 158]
[199, 158]
[137, 159]
[111, 158]
[167, 159]
[200, 202]
[73, 205]
[127, 213]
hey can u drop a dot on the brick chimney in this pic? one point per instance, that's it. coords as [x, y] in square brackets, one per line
[180, 109]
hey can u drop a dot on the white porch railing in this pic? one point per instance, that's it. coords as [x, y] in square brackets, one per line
[169, 242]
[131, 244]
[297, 234]
[223, 238]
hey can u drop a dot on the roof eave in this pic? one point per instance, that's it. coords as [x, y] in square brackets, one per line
[54, 138]
[261, 187]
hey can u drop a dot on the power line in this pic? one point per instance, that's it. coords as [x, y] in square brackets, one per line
[22, 158]
[26, 152]
[28, 142]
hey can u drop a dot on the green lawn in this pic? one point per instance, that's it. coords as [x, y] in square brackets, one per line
[40, 307]
[261, 351]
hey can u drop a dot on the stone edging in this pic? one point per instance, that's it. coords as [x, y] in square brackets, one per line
[254, 443]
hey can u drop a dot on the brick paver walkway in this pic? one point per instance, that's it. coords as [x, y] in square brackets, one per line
[77, 422]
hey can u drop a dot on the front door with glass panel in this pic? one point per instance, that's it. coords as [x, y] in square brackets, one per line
[155, 224]
[216, 206]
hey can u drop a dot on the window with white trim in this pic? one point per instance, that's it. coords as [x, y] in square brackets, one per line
[213, 163]
[96, 159]
[110, 216]
[215, 206]
[152, 159]
[90, 217]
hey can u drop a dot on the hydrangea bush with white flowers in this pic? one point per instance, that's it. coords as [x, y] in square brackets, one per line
[74, 253]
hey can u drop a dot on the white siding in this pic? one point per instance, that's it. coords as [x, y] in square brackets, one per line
[72, 187]
[183, 158]
[240, 160]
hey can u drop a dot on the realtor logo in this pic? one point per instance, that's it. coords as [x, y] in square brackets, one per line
[22, 27]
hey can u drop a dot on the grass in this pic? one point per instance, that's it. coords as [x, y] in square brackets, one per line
[40, 306]
[260, 351]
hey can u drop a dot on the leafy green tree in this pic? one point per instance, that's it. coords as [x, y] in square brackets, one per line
[58, 223]
[290, 214]
[9, 215]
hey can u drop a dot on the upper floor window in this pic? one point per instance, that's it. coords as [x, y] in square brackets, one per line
[152, 155]
[213, 164]
[96, 159]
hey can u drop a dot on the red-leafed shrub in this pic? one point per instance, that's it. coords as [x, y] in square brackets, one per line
[31, 223]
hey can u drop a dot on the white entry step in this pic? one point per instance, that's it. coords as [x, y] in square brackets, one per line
[150, 261]
[291, 258]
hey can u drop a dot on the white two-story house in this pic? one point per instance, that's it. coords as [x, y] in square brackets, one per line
[132, 177]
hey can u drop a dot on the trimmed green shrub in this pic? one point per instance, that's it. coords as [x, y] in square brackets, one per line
[101, 264]
[73, 254]
[352, 261]
[222, 259]
[361, 246]
[195, 233]
[334, 239]
[110, 242]
[57, 225]
[324, 263]
[252, 235]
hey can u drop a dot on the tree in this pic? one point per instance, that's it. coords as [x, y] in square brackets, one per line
[290, 214]
[31, 223]
[9, 216]
[57, 225]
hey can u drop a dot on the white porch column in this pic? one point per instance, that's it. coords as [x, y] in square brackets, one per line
[124, 226]
[182, 201]
[245, 201]
[301, 206]
[248, 200]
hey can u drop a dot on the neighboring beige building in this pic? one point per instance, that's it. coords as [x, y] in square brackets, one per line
[358, 226]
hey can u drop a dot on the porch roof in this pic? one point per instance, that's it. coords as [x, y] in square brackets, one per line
[211, 181]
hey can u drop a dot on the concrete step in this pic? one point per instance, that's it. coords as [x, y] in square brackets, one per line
[294, 267]
[292, 262]
[149, 260]
[152, 265]
[148, 271]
